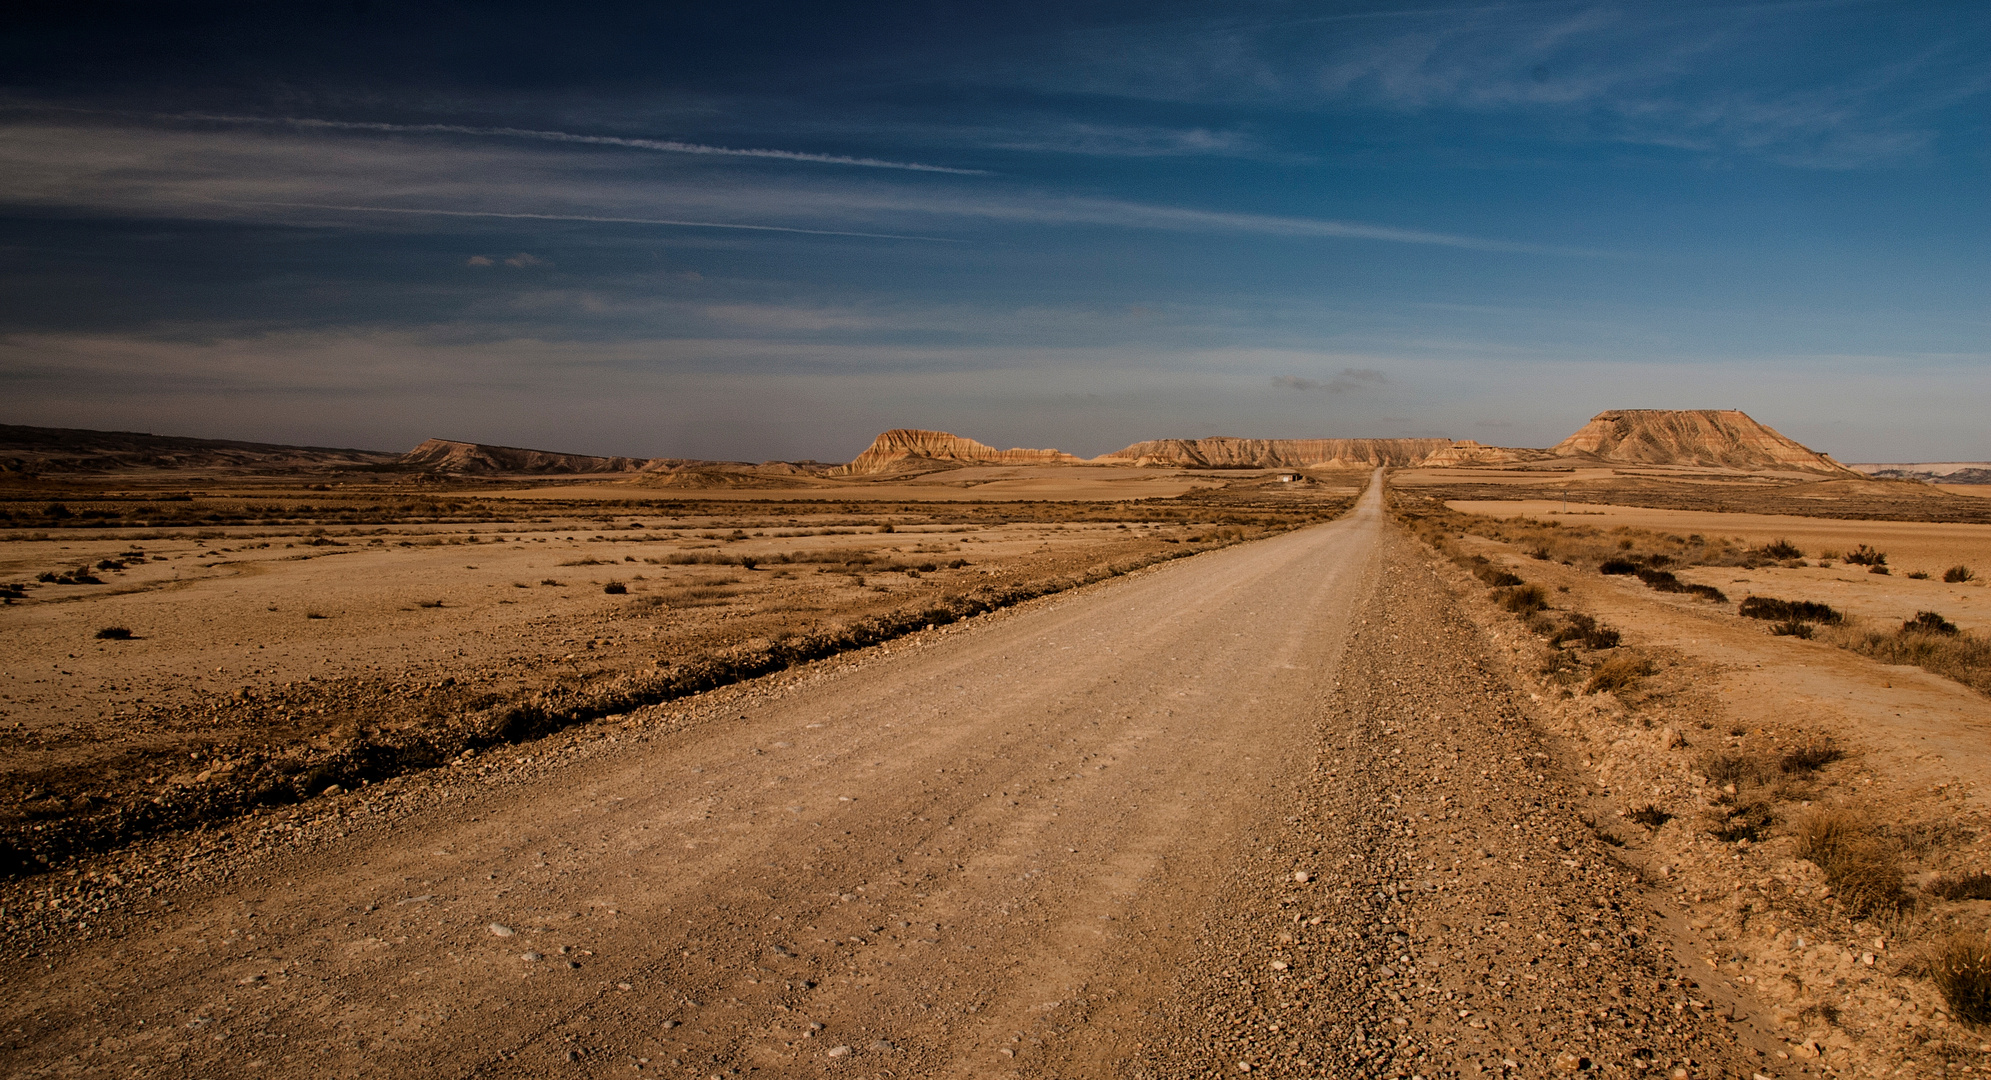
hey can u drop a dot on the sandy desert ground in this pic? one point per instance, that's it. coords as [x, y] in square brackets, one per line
[268, 660]
[1911, 546]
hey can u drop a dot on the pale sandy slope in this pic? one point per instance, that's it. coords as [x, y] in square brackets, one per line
[1059, 842]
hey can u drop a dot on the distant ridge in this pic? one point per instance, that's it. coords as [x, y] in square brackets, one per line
[912, 449]
[449, 455]
[1721, 438]
[1224, 452]
[1932, 472]
[1699, 438]
[25, 449]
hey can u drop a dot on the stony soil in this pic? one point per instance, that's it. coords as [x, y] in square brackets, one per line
[1066, 839]
[1837, 988]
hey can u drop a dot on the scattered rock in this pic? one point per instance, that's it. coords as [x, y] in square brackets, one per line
[839, 1051]
[1302, 876]
[532, 958]
[499, 930]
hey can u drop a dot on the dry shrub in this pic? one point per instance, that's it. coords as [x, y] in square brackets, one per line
[1619, 672]
[1496, 577]
[1866, 556]
[114, 633]
[1958, 574]
[1769, 607]
[1664, 581]
[1616, 566]
[1779, 550]
[615, 588]
[1524, 599]
[1749, 820]
[1863, 871]
[1576, 626]
[1793, 628]
[1737, 769]
[1975, 886]
[1810, 755]
[1961, 969]
[1650, 816]
[1929, 622]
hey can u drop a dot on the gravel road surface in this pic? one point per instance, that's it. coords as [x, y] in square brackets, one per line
[1270, 810]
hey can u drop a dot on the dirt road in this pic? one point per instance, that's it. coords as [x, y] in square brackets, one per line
[1068, 840]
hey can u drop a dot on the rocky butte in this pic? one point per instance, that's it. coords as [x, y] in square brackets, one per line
[909, 449]
[1725, 438]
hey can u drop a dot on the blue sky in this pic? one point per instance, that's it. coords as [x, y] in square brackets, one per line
[768, 231]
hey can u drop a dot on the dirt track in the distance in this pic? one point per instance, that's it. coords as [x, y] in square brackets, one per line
[1064, 841]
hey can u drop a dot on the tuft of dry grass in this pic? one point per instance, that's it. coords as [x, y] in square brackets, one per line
[1976, 886]
[1737, 769]
[1810, 755]
[1958, 574]
[1961, 969]
[1524, 599]
[1864, 871]
[1620, 672]
[114, 633]
[1959, 656]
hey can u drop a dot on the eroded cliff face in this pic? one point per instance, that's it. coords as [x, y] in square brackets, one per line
[448, 455]
[1468, 452]
[1708, 437]
[905, 449]
[1223, 452]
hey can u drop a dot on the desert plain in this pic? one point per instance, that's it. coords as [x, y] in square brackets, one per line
[1209, 758]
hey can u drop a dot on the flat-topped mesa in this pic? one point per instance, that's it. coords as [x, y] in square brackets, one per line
[906, 449]
[1726, 438]
[450, 456]
[1224, 452]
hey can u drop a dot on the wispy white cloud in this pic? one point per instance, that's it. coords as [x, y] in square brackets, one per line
[1723, 80]
[669, 146]
[597, 219]
[229, 176]
[1348, 379]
